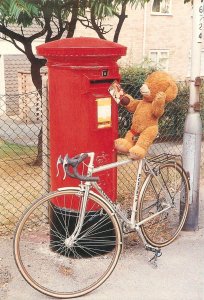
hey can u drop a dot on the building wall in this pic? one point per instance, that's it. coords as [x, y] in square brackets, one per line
[143, 31]
[12, 61]
[131, 34]
[174, 33]
[12, 65]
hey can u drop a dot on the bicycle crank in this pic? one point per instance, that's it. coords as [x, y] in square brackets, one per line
[157, 253]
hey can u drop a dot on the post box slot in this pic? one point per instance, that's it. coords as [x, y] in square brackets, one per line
[100, 81]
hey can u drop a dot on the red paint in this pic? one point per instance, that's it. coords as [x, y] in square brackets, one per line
[80, 70]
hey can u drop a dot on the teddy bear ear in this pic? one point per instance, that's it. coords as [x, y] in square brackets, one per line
[171, 92]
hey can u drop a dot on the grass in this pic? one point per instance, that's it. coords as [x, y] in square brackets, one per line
[20, 182]
[9, 150]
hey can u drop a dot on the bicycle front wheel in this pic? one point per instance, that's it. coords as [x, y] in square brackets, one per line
[170, 187]
[51, 262]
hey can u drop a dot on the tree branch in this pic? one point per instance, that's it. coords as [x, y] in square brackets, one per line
[95, 25]
[22, 31]
[74, 19]
[12, 41]
[121, 18]
[60, 31]
[48, 31]
[86, 22]
[38, 34]
[46, 28]
[16, 45]
[57, 36]
[12, 35]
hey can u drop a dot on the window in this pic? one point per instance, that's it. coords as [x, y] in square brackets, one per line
[161, 7]
[159, 59]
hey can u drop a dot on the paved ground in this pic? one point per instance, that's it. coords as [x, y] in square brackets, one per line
[13, 130]
[179, 276]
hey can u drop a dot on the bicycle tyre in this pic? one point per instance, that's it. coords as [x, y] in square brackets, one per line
[39, 240]
[164, 228]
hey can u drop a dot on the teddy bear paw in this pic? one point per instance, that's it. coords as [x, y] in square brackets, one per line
[137, 152]
[122, 145]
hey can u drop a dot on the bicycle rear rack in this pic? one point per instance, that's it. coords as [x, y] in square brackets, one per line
[163, 158]
[157, 160]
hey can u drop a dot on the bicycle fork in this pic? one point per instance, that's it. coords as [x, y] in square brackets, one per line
[69, 241]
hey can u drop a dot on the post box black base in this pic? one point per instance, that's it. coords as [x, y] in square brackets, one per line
[64, 219]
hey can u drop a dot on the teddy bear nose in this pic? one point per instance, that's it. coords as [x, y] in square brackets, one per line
[144, 90]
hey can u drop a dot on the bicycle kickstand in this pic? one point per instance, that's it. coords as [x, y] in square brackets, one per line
[157, 253]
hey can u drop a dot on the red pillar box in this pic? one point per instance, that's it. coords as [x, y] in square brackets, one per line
[83, 116]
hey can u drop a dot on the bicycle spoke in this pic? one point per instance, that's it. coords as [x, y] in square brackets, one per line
[46, 236]
[163, 228]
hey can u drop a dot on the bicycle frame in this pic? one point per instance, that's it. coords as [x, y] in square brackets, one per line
[82, 231]
[132, 222]
[85, 187]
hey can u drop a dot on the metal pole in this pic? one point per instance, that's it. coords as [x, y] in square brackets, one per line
[193, 125]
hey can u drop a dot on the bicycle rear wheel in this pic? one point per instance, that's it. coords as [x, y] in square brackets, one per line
[56, 267]
[165, 227]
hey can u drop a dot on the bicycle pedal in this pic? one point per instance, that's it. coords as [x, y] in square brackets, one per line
[153, 261]
[157, 253]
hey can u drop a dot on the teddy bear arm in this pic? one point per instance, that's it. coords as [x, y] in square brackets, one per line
[131, 107]
[158, 111]
[158, 105]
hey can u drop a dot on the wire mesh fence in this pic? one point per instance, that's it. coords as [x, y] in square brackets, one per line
[21, 176]
[171, 129]
[24, 153]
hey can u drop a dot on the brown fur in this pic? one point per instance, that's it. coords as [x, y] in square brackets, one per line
[162, 89]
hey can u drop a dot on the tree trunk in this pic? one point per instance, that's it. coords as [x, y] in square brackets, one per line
[36, 65]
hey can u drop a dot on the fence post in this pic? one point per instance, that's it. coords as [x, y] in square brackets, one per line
[193, 126]
[45, 136]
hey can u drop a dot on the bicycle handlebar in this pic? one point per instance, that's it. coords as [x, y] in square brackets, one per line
[74, 163]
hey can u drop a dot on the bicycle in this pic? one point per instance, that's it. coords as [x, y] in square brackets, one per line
[80, 234]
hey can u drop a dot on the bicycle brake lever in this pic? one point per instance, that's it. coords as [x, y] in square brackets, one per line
[59, 162]
[65, 163]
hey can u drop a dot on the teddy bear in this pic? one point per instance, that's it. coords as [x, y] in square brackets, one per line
[158, 89]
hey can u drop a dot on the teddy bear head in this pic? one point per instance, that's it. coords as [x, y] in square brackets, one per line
[159, 81]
